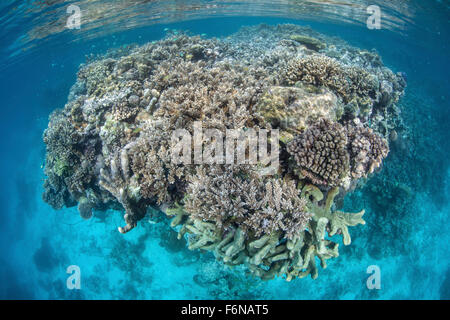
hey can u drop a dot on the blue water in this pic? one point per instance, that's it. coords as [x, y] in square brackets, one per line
[406, 233]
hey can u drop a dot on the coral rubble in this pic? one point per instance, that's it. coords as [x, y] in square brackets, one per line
[111, 147]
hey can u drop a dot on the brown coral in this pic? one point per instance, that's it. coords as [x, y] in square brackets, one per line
[367, 150]
[150, 161]
[220, 96]
[321, 153]
[124, 111]
[347, 82]
[110, 146]
[327, 152]
[238, 196]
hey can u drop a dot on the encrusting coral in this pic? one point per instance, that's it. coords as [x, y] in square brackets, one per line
[111, 147]
[293, 109]
[309, 42]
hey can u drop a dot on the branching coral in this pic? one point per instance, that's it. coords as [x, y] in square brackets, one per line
[272, 254]
[118, 182]
[221, 96]
[330, 154]
[159, 178]
[111, 146]
[321, 153]
[319, 70]
[238, 196]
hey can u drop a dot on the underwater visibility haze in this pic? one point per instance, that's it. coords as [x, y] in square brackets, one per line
[225, 150]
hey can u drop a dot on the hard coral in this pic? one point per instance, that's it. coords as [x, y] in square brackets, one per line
[272, 254]
[293, 109]
[349, 82]
[309, 42]
[240, 197]
[159, 179]
[367, 150]
[321, 152]
[327, 152]
[110, 147]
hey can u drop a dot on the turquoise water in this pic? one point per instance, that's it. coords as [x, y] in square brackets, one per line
[407, 203]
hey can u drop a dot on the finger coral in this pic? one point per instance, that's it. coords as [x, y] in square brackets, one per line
[321, 153]
[330, 154]
[274, 254]
[330, 107]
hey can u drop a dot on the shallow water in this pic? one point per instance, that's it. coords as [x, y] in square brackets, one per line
[406, 203]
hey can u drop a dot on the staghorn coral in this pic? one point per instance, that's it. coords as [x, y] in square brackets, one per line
[221, 96]
[150, 161]
[110, 146]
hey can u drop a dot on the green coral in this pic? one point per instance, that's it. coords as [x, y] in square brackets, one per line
[61, 167]
[337, 222]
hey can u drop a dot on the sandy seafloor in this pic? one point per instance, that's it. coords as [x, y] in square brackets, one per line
[406, 234]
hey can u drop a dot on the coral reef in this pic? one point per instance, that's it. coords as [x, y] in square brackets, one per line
[320, 153]
[319, 70]
[293, 109]
[111, 146]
